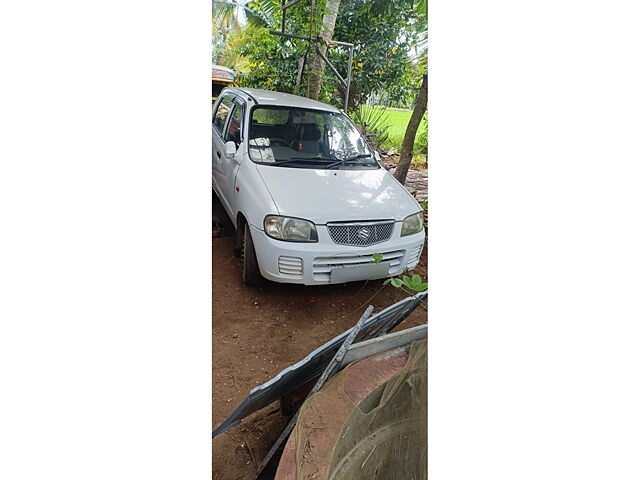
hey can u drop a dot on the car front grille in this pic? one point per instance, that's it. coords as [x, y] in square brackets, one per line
[361, 234]
[322, 266]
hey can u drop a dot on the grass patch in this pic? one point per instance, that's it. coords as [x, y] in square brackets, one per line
[398, 119]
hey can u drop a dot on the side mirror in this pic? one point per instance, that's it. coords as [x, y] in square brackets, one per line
[230, 149]
[376, 155]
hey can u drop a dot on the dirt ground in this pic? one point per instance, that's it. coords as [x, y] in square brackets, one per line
[259, 331]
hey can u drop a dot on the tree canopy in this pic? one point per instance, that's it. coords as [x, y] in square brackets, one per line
[385, 36]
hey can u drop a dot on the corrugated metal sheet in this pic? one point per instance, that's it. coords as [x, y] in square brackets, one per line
[314, 364]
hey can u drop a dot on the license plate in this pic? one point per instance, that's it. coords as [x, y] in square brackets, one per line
[359, 272]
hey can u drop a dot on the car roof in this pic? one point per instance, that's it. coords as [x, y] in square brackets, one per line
[267, 97]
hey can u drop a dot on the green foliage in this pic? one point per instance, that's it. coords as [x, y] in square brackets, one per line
[272, 64]
[422, 7]
[373, 123]
[421, 56]
[377, 258]
[397, 120]
[381, 65]
[381, 53]
[263, 13]
[225, 25]
[408, 284]
[421, 144]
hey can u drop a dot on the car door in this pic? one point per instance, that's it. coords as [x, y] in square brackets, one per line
[228, 167]
[218, 124]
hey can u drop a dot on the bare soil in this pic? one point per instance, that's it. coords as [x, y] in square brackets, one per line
[259, 331]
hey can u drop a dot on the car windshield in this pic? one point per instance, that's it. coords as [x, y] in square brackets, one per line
[296, 137]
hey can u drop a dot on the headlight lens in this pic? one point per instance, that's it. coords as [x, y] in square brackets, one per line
[412, 224]
[290, 229]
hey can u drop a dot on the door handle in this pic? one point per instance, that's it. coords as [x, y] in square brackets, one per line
[219, 154]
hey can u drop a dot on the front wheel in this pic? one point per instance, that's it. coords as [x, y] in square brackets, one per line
[250, 269]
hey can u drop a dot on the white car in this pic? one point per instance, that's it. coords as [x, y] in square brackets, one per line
[307, 195]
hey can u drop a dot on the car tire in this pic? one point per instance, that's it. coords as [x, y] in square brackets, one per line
[250, 269]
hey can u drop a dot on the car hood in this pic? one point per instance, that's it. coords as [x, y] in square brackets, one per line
[337, 195]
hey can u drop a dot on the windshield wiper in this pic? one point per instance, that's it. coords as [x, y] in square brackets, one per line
[329, 162]
[348, 160]
[322, 160]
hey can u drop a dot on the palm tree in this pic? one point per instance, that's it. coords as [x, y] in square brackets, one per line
[225, 22]
[229, 17]
[326, 34]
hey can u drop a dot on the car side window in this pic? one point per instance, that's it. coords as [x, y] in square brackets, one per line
[220, 115]
[234, 130]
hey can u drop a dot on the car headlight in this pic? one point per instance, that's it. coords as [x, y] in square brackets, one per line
[290, 229]
[412, 224]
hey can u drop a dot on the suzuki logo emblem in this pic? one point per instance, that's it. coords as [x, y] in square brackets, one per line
[363, 233]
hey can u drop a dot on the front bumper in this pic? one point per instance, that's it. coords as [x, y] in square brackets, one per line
[312, 263]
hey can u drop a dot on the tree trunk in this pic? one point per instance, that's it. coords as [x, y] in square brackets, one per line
[301, 63]
[318, 65]
[406, 153]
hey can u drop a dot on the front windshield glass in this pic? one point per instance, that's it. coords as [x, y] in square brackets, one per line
[296, 137]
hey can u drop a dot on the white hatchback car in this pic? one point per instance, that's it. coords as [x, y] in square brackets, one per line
[307, 195]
